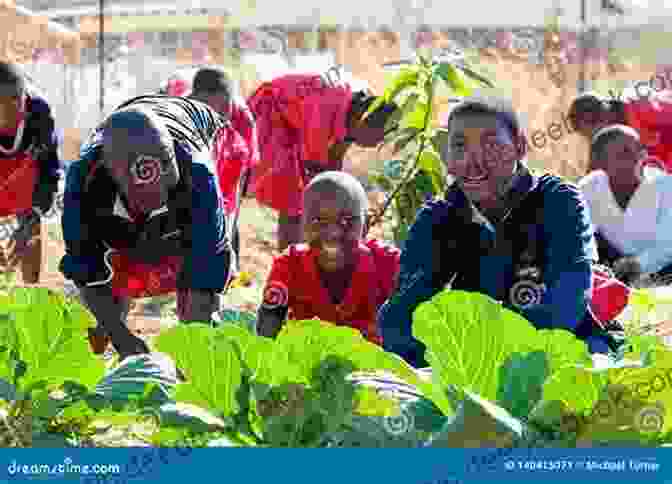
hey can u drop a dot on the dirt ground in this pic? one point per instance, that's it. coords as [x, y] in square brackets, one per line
[533, 91]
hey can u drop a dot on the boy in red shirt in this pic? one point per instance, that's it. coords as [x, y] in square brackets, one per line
[335, 276]
[305, 125]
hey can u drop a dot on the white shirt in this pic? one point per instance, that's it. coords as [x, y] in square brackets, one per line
[644, 228]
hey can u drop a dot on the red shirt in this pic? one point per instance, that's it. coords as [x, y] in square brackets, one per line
[652, 117]
[294, 282]
[232, 154]
[299, 117]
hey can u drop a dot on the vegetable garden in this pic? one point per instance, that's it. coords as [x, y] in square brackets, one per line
[494, 381]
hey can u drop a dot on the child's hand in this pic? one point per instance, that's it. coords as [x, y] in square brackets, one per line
[21, 239]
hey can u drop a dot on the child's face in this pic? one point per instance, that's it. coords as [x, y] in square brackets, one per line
[333, 226]
[620, 158]
[480, 152]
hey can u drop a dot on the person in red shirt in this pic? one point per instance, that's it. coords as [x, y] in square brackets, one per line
[305, 126]
[650, 115]
[336, 276]
[29, 169]
[236, 149]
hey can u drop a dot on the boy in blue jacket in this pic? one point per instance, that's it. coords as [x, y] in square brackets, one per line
[143, 216]
[501, 231]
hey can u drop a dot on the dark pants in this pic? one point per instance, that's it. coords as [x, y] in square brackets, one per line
[609, 254]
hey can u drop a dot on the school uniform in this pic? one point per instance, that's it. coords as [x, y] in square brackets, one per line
[29, 161]
[651, 116]
[643, 229]
[537, 261]
[299, 117]
[183, 245]
[294, 283]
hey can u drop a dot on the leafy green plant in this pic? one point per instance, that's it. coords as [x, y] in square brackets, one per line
[291, 391]
[418, 173]
[43, 346]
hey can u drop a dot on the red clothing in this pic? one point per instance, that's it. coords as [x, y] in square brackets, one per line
[242, 120]
[295, 282]
[137, 280]
[299, 117]
[19, 175]
[652, 117]
[233, 156]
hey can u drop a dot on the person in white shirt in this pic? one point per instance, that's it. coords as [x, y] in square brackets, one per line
[630, 204]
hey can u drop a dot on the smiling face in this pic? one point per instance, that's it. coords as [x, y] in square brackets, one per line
[479, 150]
[333, 224]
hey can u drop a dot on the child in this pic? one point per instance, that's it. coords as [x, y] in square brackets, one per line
[143, 216]
[650, 115]
[631, 208]
[305, 126]
[29, 168]
[336, 276]
[502, 231]
[236, 149]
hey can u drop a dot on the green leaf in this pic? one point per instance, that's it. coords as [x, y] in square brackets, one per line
[308, 343]
[522, 382]
[454, 79]
[409, 104]
[254, 350]
[432, 165]
[371, 403]
[480, 423]
[416, 118]
[469, 336]
[405, 137]
[51, 338]
[406, 78]
[210, 362]
[476, 76]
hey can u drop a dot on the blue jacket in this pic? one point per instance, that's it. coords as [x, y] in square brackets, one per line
[451, 239]
[92, 222]
[41, 139]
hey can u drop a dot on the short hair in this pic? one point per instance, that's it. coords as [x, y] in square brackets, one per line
[340, 182]
[210, 80]
[594, 104]
[606, 135]
[498, 107]
[11, 75]
[362, 101]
